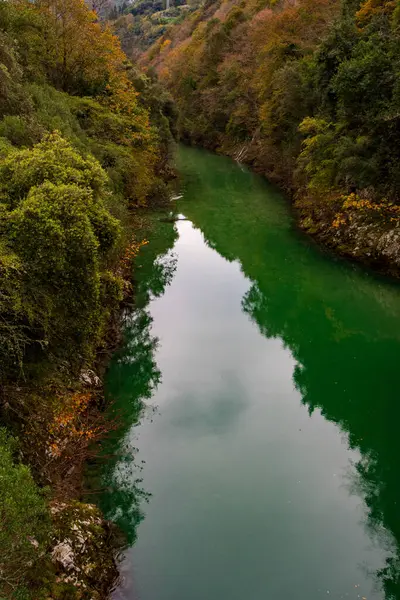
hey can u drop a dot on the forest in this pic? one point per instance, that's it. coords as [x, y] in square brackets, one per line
[84, 141]
[305, 92]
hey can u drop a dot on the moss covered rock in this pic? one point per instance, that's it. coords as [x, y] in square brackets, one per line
[82, 552]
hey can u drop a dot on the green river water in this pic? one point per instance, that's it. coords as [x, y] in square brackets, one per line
[266, 460]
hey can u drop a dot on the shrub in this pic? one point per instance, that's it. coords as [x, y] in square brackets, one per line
[59, 232]
[24, 521]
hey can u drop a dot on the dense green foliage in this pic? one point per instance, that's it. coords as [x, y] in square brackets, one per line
[84, 136]
[62, 196]
[55, 223]
[24, 520]
[355, 73]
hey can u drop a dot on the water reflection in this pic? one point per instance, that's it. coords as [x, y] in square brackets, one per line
[132, 380]
[341, 325]
[341, 329]
[218, 416]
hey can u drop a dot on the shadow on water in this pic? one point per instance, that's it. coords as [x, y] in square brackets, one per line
[341, 325]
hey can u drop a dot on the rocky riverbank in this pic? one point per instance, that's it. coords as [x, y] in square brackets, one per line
[368, 234]
[351, 226]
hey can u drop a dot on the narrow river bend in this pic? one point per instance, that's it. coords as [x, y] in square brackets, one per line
[268, 468]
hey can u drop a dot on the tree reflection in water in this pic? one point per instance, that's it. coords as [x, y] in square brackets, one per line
[341, 325]
[132, 378]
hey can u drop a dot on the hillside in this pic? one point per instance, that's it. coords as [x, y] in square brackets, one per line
[142, 23]
[307, 93]
[84, 140]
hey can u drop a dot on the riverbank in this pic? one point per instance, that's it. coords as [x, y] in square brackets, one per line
[85, 545]
[346, 225]
[84, 142]
[351, 226]
[369, 237]
[62, 425]
[59, 420]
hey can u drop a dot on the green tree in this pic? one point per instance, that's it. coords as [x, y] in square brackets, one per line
[58, 228]
[24, 521]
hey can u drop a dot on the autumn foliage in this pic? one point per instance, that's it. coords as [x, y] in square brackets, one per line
[69, 425]
[306, 92]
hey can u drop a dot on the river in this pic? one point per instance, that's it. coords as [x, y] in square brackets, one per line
[266, 458]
